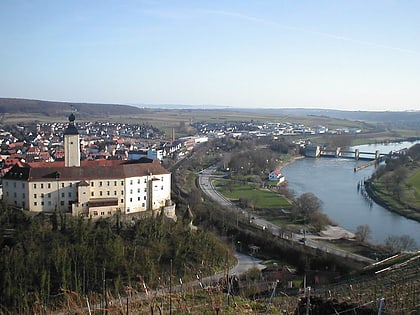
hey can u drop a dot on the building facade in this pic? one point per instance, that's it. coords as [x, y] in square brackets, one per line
[92, 189]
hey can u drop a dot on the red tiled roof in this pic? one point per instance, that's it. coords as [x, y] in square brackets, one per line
[101, 169]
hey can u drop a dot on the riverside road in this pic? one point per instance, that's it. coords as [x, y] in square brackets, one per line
[205, 183]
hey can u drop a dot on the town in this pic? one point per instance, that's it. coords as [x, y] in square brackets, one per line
[43, 142]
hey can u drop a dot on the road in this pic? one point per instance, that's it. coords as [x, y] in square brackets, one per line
[205, 183]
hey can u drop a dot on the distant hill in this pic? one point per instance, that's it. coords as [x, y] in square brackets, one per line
[25, 106]
[400, 119]
[392, 119]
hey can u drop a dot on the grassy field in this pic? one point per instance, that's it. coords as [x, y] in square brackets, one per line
[414, 183]
[410, 199]
[264, 198]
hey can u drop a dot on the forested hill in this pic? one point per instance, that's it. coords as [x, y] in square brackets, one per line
[26, 106]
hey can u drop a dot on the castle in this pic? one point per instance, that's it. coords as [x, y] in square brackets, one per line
[94, 189]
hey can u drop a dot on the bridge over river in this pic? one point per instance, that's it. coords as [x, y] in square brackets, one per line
[373, 157]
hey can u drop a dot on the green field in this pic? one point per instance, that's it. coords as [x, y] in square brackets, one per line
[264, 198]
[414, 182]
[409, 204]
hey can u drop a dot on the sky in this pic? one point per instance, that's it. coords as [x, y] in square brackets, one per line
[349, 55]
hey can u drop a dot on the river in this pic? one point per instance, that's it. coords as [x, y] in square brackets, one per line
[334, 182]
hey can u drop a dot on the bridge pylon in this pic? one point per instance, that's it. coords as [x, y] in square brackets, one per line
[338, 152]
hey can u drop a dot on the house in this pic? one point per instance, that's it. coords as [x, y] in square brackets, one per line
[276, 175]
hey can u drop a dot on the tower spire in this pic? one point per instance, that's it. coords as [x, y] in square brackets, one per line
[71, 144]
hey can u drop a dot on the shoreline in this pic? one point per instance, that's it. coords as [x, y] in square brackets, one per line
[370, 189]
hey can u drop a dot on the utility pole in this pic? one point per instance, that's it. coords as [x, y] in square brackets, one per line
[104, 292]
[308, 301]
[170, 290]
[381, 305]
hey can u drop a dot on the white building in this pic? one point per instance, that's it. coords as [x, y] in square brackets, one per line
[93, 189]
[276, 175]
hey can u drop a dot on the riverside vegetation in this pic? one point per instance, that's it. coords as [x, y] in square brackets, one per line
[396, 185]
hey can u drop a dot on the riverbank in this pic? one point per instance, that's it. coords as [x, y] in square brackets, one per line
[403, 210]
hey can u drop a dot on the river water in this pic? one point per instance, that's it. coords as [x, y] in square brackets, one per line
[334, 182]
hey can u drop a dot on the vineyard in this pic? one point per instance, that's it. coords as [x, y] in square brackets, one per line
[392, 286]
[395, 281]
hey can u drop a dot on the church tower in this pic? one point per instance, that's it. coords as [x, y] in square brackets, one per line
[71, 144]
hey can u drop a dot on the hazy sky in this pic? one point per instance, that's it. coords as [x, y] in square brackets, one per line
[354, 54]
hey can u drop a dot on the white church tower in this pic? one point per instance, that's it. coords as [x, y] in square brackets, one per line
[71, 144]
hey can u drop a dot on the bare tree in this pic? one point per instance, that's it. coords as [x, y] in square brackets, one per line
[400, 243]
[363, 232]
[307, 204]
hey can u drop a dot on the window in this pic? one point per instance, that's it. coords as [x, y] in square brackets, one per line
[145, 180]
[122, 192]
[122, 200]
[91, 184]
[108, 193]
[143, 204]
[115, 192]
[100, 193]
[69, 194]
[161, 187]
[14, 194]
[42, 186]
[62, 185]
[131, 182]
[115, 183]
[62, 202]
[144, 197]
[49, 185]
[92, 193]
[122, 183]
[138, 198]
[14, 185]
[95, 212]
[34, 186]
[131, 191]
[62, 195]
[161, 178]
[42, 203]
[49, 195]
[34, 196]
[35, 203]
[145, 190]
[138, 190]
[23, 196]
[71, 184]
[23, 185]
[131, 199]
[138, 181]
[42, 195]
[100, 184]
[107, 183]
[102, 213]
[49, 202]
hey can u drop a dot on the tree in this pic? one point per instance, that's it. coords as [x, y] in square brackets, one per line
[363, 232]
[307, 204]
[400, 243]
